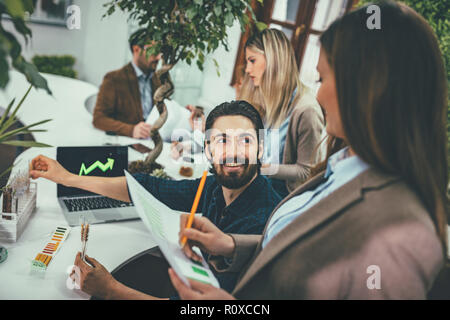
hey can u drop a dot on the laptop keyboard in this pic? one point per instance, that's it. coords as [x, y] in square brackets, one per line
[94, 203]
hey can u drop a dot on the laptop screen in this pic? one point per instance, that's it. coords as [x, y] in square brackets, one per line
[103, 161]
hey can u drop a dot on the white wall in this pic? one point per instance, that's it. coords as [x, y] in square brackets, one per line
[216, 89]
[207, 88]
[100, 45]
[105, 42]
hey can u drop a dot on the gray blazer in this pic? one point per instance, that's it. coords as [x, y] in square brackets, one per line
[374, 222]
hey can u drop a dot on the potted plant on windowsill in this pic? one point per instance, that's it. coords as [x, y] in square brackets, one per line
[182, 30]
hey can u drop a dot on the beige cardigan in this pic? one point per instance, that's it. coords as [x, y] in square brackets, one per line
[329, 251]
[301, 150]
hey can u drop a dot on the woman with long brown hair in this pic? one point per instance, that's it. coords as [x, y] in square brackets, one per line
[373, 224]
[292, 117]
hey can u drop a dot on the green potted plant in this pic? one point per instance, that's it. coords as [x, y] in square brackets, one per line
[182, 30]
[54, 64]
[7, 136]
[10, 47]
[10, 55]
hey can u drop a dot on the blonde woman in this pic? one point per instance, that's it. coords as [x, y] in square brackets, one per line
[292, 117]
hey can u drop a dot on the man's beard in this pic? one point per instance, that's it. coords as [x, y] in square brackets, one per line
[234, 180]
[147, 69]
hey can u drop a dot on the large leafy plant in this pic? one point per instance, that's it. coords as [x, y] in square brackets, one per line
[10, 48]
[10, 55]
[185, 30]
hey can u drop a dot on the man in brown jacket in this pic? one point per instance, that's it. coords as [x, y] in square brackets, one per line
[125, 98]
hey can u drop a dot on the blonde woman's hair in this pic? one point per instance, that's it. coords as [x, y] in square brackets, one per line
[280, 78]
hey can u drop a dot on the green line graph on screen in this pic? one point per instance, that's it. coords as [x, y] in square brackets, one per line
[97, 164]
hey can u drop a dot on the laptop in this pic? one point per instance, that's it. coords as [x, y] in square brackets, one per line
[103, 161]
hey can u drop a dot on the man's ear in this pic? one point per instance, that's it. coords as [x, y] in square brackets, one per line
[260, 151]
[138, 50]
[208, 151]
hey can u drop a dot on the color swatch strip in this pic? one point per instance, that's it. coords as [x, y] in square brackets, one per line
[44, 257]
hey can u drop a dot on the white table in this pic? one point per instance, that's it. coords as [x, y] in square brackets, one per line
[111, 243]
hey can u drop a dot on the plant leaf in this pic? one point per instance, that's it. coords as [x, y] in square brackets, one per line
[16, 131]
[191, 13]
[261, 25]
[216, 64]
[229, 19]
[31, 73]
[2, 120]
[14, 8]
[6, 171]
[27, 144]
[12, 118]
[218, 10]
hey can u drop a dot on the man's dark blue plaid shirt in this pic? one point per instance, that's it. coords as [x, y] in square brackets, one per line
[247, 214]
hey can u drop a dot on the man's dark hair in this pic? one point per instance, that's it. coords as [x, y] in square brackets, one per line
[136, 38]
[235, 108]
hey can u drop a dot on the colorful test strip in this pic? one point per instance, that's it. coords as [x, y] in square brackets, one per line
[44, 257]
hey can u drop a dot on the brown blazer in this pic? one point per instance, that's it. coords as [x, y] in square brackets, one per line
[119, 108]
[324, 253]
[303, 136]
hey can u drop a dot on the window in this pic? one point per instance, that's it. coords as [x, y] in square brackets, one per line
[302, 21]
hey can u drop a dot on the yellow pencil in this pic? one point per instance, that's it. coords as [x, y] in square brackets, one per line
[195, 205]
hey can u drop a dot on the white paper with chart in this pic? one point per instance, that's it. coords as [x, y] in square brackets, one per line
[163, 224]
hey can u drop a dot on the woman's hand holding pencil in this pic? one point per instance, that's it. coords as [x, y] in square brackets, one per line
[202, 232]
[195, 205]
[205, 235]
